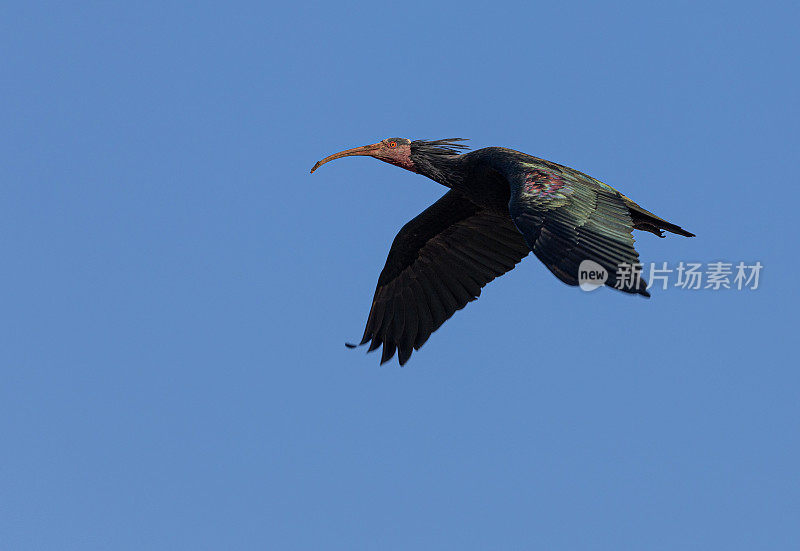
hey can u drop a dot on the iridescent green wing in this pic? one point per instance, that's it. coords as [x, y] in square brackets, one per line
[567, 217]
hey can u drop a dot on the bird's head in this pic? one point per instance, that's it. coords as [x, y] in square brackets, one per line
[396, 151]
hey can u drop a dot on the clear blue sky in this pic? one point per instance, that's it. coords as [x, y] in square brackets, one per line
[177, 289]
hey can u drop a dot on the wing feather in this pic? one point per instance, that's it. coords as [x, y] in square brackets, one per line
[438, 263]
[568, 217]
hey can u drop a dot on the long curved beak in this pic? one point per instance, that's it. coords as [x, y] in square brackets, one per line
[364, 150]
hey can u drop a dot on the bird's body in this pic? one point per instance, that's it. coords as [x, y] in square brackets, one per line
[502, 204]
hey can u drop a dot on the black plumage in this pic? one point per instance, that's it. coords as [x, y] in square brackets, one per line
[501, 205]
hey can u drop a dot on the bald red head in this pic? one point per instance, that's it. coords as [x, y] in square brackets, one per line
[396, 151]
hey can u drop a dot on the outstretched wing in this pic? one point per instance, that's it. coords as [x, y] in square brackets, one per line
[438, 262]
[568, 217]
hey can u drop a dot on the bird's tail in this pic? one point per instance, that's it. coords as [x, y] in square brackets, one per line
[645, 220]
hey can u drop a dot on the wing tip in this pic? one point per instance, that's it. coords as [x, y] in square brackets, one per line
[403, 355]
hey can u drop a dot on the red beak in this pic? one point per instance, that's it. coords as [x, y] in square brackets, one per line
[367, 150]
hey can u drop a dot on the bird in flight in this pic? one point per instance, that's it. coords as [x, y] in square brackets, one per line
[501, 205]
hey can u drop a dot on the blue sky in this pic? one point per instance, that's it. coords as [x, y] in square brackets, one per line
[177, 288]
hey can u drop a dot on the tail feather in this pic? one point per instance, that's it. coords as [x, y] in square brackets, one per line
[647, 221]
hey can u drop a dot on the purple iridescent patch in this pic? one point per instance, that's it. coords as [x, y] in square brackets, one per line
[542, 184]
